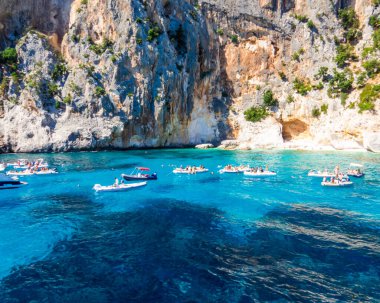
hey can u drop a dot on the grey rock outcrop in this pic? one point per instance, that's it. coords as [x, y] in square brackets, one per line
[128, 73]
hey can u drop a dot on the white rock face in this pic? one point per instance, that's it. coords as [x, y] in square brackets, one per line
[265, 134]
[372, 141]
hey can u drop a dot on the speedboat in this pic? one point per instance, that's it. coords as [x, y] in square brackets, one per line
[320, 174]
[138, 174]
[258, 173]
[118, 188]
[190, 170]
[7, 182]
[354, 170]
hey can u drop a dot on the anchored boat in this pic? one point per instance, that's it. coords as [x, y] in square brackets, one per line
[190, 170]
[7, 182]
[355, 171]
[118, 188]
[138, 174]
[337, 183]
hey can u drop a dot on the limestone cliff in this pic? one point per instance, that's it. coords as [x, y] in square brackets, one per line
[127, 73]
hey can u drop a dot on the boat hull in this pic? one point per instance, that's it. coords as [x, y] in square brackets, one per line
[356, 175]
[120, 188]
[344, 184]
[13, 185]
[139, 178]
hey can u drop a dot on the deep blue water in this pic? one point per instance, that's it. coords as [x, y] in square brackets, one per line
[199, 238]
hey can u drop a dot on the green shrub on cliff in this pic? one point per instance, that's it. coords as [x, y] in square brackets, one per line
[316, 112]
[376, 39]
[153, 33]
[374, 21]
[372, 67]
[324, 108]
[256, 113]
[59, 71]
[344, 53]
[322, 74]
[8, 56]
[301, 87]
[368, 96]
[4, 85]
[310, 24]
[269, 99]
[301, 18]
[99, 91]
[350, 23]
[341, 82]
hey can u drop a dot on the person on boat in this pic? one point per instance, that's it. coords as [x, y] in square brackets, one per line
[116, 184]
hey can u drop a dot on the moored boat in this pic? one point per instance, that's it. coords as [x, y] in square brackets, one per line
[7, 182]
[337, 183]
[138, 174]
[190, 170]
[355, 171]
[2, 166]
[118, 188]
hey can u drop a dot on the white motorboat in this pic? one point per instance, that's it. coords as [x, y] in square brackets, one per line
[260, 174]
[7, 182]
[30, 172]
[190, 170]
[2, 166]
[337, 183]
[118, 188]
[355, 170]
[320, 174]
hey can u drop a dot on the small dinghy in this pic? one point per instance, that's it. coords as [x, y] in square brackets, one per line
[138, 174]
[260, 174]
[337, 183]
[118, 188]
[190, 170]
[320, 174]
[7, 182]
[355, 171]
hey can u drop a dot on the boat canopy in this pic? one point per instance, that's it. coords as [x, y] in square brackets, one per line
[143, 168]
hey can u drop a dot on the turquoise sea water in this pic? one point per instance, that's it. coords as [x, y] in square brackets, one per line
[191, 238]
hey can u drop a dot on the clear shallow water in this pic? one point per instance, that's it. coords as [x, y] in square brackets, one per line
[201, 238]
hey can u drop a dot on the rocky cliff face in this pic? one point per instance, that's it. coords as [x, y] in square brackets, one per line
[128, 73]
